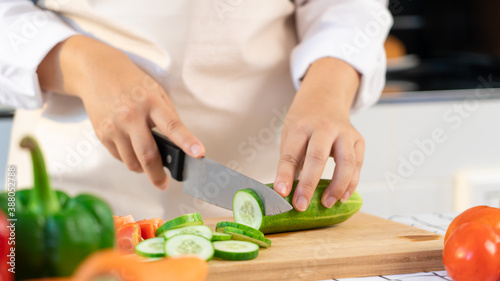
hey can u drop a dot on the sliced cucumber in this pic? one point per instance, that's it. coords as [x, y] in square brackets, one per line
[221, 225]
[235, 250]
[201, 230]
[181, 221]
[248, 208]
[242, 235]
[219, 236]
[189, 244]
[151, 248]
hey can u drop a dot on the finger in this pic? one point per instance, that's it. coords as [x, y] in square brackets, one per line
[106, 141]
[359, 148]
[127, 154]
[345, 164]
[111, 147]
[169, 123]
[148, 155]
[293, 148]
[318, 150]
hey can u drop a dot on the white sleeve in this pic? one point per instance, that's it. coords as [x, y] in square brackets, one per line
[351, 30]
[27, 34]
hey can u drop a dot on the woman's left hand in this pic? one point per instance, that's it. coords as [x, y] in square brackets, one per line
[318, 126]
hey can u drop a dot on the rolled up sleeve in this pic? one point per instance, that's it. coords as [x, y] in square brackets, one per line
[27, 34]
[350, 30]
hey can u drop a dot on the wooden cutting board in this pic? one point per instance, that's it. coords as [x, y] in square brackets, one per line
[364, 245]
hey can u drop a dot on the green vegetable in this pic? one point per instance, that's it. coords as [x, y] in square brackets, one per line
[242, 235]
[235, 250]
[180, 221]
[254, 232]
[249, 208]
[189, 244]
[151, 248]
[218, 236]
[54, 232]
[315, 216]
[201, 230]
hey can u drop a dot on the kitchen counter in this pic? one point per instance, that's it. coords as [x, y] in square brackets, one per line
[435, 222]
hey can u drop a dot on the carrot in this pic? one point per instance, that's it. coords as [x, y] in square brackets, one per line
[133, 268]
[111, 263]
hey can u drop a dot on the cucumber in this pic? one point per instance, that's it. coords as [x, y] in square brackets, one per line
[254, 232]
[248, 208]
[181, 221]
[151, 248]
[242, 235]
[201, 230]
[235, 250]
[219, 236]
[315, 216]
[189, 244]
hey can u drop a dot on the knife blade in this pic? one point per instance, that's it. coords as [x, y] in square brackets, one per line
[212, 182]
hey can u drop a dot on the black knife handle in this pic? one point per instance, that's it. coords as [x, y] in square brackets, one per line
[171, 155]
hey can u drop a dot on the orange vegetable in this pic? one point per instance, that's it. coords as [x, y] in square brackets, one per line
[111, 263]
[128, 236]
[149, 227]
[482, 214]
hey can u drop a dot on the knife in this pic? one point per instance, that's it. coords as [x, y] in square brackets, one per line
[212, 182]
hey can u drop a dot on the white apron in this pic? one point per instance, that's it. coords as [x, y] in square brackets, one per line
[225, 65]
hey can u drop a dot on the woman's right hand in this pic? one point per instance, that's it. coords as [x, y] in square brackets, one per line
[122, 102]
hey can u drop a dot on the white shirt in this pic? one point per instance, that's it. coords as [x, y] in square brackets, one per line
[221, 62]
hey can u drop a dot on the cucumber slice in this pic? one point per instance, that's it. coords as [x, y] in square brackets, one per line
[242, 235]
[189, 244]
[248, 208]
[221, 225]
[235, 250]
[201, 230]
[219, 236]
[181, 221]
[151, 248]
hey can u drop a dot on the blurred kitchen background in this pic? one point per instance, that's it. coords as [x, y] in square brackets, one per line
[433, 140]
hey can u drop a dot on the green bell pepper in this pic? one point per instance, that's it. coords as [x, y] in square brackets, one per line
[54, 232]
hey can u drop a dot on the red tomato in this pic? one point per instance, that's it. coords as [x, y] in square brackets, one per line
[149, 227]
[129, 218]
[119, 221]
[128, 236]
[484, 214]
[472, 253]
